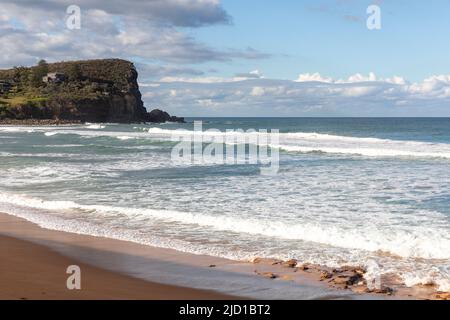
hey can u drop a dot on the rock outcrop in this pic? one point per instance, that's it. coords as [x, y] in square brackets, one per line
[94, 91]
[159, 116]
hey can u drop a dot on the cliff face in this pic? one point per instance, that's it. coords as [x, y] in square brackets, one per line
[89, 91]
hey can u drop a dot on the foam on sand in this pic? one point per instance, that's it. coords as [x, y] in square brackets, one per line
[418, 243]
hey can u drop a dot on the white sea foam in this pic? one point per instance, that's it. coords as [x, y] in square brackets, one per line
[51, 133]
[346, 212]
[413, 243]
[303, 142]
[368, 152]
[95, 126]
[299, 142]
[11, 129]
[124, 138]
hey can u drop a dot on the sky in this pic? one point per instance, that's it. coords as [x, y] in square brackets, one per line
[252, 57]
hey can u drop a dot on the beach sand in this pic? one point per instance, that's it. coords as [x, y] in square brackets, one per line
[34, 261]
[33, 264]
[33, 272]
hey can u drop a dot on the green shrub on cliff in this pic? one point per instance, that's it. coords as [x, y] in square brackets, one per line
[37, 73]
[113, 74]
[92, 90]
[74, 72]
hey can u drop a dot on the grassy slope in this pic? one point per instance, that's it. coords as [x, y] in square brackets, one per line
[115, 71]
[21, 100]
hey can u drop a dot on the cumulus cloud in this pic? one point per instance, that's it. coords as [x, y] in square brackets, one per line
[314, 96]
[238, 77]
[257, 91]
[184, 13]
[159, 71]
[313, 77]
[149, 32]
[435, 86]
[358, 77]
[255, 74]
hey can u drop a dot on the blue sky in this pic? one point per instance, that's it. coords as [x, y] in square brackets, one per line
[252, 57]
[325, 37]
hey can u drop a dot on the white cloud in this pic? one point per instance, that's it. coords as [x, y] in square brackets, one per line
[396, 80]
[4, 18]
[195, 79]
[183, 13]
[356, 78]
[357, 91]
[317, 77]
[143, 31]
[255, 74]
[313, 77]
[434, 86]
[356, 96]
[257, 91]
[238, 77]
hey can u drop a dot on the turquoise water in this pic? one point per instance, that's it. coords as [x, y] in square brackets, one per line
[348, 191]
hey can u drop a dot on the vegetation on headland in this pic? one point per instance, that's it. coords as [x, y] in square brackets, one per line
[88, 91]
[85, 79]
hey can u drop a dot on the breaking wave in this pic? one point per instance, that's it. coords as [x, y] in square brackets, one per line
[414, 243]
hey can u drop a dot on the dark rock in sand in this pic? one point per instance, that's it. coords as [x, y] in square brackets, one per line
[303, 267]
[267, 261]
[326, 275]
[348, 276]
[340, 280]
[290, 263]
[346, 279]
[384, 290]
[269, 275]
[443, 296]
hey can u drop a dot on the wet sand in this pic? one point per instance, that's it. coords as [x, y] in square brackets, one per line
[128, 260]
[34, 263]
[33, 272]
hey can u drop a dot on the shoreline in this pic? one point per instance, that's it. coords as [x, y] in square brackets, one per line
[52, 122]
[38, 122]
[165, 266]
[34, 272]
[200, 277]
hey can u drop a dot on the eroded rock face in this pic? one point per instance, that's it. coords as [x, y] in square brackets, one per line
[159, 116]
[106, 91]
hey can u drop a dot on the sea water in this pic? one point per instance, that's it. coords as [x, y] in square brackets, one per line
[348, 191]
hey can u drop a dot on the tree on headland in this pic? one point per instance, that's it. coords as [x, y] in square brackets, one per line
[74, 72]
[37, 73]
[21, 75]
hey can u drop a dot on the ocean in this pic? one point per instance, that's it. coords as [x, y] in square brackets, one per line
[373, 192]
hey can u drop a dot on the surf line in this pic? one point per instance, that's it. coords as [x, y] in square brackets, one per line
[250, 147]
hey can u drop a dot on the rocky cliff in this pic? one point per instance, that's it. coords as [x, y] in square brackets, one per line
[82, 91]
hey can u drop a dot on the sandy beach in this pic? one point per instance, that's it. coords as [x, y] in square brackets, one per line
[37, 272]
[33, 272]
[205, 150]
[34, 263]
[35, 260]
